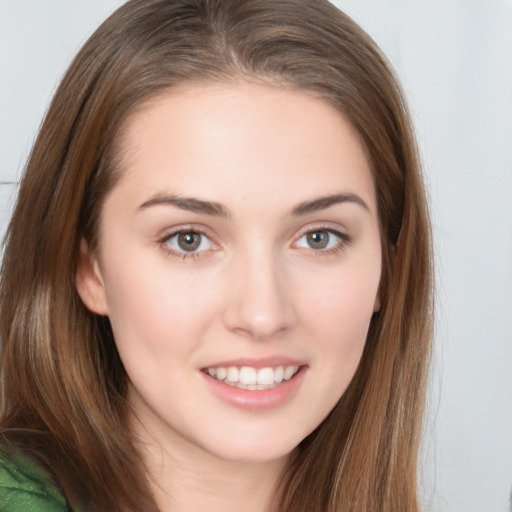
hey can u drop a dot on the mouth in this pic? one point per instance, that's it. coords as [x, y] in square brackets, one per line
[254, 379]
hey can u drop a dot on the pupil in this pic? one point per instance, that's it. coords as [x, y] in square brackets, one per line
[318, 239]
[189, 241]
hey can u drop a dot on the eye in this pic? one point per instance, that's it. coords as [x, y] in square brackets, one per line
[187, 242]
[321, 240]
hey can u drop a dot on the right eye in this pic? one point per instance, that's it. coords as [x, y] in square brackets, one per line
[187, 242]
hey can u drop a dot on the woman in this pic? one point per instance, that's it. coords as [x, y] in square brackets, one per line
[216, 286]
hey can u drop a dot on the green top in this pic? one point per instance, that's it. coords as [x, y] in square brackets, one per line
[24, 487]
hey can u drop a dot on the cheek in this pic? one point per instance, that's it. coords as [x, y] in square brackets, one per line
[343, 303]
[338, 316]
[336, 312]
[156, 313]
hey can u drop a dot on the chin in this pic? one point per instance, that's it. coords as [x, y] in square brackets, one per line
[253, 450]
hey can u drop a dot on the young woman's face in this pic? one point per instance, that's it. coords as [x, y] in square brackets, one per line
[239, 263]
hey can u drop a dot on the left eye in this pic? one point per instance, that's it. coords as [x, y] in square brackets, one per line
[189, 242]
[319, 239]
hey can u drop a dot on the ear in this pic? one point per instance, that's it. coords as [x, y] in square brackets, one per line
[89, 281]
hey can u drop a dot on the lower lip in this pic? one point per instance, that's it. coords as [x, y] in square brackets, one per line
[257, 399]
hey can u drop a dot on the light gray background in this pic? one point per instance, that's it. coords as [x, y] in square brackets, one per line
[454, 58]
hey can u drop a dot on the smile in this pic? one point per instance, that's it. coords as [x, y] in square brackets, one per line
[250, 378]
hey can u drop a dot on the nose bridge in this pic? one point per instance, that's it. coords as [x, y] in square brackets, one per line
[260, 304]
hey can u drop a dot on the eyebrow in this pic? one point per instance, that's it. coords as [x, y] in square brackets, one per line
[196, 205]
[322, 203]
[190, 204]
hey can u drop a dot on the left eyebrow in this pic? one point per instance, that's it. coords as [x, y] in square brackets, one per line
[322, 203]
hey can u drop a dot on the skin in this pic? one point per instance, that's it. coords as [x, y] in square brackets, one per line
[255, 287]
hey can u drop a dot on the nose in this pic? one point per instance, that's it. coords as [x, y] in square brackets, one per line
[260, 303]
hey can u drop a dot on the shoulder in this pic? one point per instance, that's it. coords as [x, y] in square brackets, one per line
[25, 487]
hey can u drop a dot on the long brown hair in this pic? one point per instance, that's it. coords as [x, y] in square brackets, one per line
[62, 383]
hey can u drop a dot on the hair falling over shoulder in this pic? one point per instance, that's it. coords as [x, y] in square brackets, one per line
[63, 386]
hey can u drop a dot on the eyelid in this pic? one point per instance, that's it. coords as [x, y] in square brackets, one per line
[345, 238]
[172, 232]
[323, 226]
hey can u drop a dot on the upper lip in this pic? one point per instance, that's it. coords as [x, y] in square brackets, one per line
[265, 362]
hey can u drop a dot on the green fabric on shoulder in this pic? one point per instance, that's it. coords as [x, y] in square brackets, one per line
[24, 487]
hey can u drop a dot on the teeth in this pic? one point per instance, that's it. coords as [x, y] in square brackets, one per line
[266, 376]
[253, 378]
[247, 376]
[289, 372]
[233, 374]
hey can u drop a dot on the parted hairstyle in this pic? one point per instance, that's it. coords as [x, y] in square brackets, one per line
[63, 386]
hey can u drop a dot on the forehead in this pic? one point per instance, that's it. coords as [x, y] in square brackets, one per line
[255, 140]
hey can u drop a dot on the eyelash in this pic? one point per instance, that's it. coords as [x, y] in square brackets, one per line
[344, 241]
[164, 243]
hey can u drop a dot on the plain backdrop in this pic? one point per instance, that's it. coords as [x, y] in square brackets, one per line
[454, 58]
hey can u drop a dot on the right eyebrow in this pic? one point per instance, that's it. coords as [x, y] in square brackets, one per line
[190, 204]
